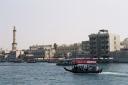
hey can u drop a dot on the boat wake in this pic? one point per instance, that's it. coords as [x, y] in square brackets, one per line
[115, 73]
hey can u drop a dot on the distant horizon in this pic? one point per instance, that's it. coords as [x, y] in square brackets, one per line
[60, 21]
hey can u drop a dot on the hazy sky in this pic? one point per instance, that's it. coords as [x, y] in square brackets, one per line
[60, 21]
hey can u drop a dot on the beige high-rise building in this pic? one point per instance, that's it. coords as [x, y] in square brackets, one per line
[102, 43]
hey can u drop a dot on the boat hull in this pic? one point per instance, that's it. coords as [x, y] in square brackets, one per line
[73, 71]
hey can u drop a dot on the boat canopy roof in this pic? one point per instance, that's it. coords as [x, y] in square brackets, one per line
[84, 61]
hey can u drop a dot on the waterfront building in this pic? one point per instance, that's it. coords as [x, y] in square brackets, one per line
[13, 56]
[102, 43]
[14, 53]
[2, 55]
[124, 44]
[38, 53]
[42, 51]
[85, 46]
[68, 50]
[120, 56]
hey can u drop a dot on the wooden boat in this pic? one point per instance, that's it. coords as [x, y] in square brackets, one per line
[85, 68]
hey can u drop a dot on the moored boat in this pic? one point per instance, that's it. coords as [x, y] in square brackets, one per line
[31, 61]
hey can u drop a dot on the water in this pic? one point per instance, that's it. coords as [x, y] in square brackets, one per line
[50, 74]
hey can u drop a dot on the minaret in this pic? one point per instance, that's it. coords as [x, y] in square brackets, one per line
[14, 44]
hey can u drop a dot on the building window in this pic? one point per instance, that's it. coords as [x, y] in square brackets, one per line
[115, 48]
[114, 37]
[114, 42]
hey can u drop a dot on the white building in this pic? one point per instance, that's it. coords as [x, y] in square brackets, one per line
[67, 50]
[48, 50]
[14, 55]
[124, 44]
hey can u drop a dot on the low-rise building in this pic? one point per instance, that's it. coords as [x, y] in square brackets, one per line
[42, 51]
[67, 50]
[2, 55]
[120, 56]
[124, 44]
[13, 55]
